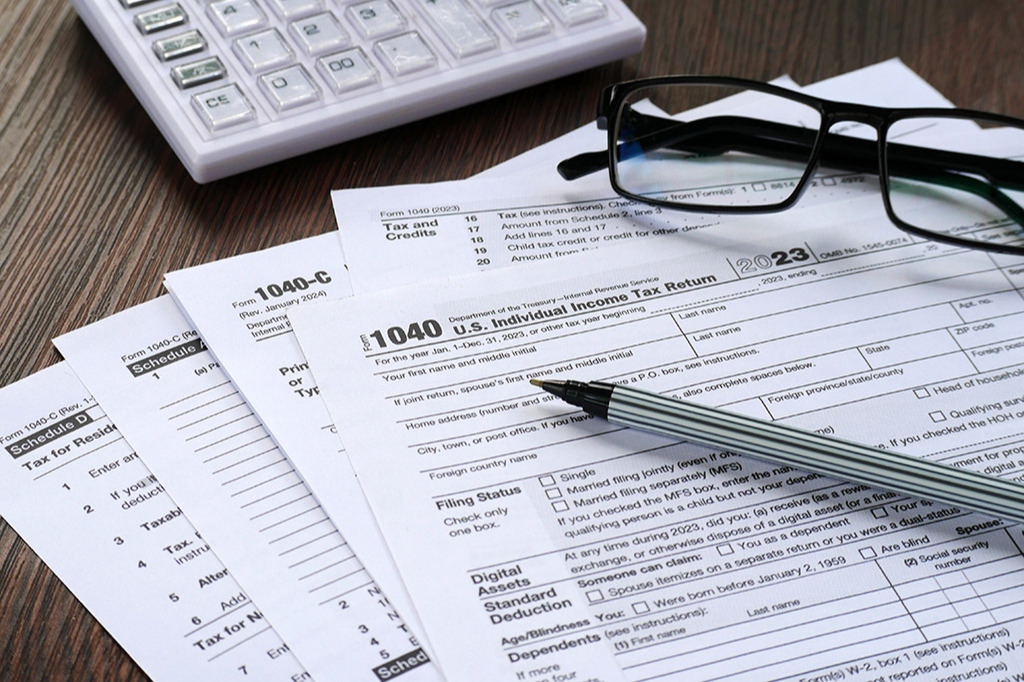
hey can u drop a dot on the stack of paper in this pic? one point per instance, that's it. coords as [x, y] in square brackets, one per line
[393, 500]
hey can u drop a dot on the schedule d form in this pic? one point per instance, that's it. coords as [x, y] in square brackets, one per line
[154, 375]
[86, 503]
[539, 543]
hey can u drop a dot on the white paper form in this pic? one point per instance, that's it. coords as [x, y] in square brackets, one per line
[238, 306]
[398, 235]
[173, 403]
[83, 500]
[538, 542]
[889, 83]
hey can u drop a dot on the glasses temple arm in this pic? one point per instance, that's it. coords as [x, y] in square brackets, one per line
[583, 164]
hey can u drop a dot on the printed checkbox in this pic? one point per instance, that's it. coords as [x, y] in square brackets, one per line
[879, 512]
[547, 479]
[828, 182]
[641, 607]
[560, 506]
[553, 493]
[937, 416]
[922, 392]
[725, 550]
[758, 187]
[595, 595]
[868, 553]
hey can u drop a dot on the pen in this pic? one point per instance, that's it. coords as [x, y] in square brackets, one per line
[813, 452]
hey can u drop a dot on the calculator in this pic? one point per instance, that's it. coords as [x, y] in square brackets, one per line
[236, 84]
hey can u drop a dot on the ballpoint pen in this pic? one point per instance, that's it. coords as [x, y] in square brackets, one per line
[885, 469]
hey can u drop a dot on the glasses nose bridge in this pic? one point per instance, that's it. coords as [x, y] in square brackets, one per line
[843, 112]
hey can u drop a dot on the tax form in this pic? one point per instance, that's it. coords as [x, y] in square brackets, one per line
[85, 502]
[575, 549]
[238, 305]
[173, 403]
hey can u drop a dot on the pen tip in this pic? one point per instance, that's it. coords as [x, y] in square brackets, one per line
[555, 387]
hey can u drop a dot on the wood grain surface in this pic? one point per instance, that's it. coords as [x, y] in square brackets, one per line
[95, 207]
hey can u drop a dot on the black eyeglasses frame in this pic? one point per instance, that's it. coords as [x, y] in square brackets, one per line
[614, 97]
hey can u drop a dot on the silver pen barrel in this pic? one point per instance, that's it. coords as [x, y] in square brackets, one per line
[817, 453]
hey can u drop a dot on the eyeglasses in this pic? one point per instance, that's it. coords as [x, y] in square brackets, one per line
[762, 154]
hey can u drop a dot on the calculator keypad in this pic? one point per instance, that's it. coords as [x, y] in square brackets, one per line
[294, 9]
[198, 73]
[461, 29]
[289, 88]
[181, 45]
[279, 57]
[348, 70]
[376, 18]
[405, 54]
[223, 107]
[234, 17]
[161, 18]
[522, 21]
[263, 51]
[577, 11]
[319, 33]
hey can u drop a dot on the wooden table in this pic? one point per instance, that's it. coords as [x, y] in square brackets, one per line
[95, 207]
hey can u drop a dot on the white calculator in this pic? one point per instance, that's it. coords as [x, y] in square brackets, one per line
[236, 84]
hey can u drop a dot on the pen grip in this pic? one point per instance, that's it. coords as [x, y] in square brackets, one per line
[817, 453]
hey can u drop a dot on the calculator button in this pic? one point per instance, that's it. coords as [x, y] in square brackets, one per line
[263, 51]
[521, 21]
[181, 45]
[348, 70]
[197, 73]
[289, 88]
[405, 53]
[376, 18]
[160, 18]
[223, 107]
[319, 33]
[573, 12]
[132, 4]
[236, 16]
[294, 9]
[462, 30]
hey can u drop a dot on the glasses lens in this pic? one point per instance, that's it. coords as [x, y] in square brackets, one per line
[951, 190]
[737, 148]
